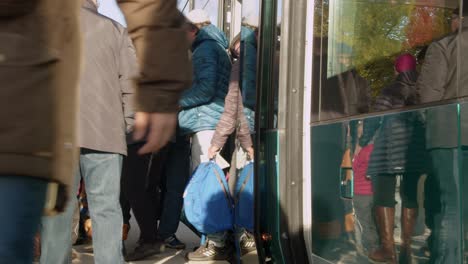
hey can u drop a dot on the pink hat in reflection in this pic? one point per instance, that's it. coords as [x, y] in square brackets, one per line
[405, 62]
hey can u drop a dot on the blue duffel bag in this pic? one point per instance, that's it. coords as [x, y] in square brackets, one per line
[244, 198]
[207, 203]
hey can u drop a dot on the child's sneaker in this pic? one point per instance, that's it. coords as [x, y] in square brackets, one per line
[247, 244]
[210, 252]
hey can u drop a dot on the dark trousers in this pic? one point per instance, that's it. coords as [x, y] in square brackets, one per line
[141, 188]
[125, 204]
[448, 179]
[175, 177]
[384, 190]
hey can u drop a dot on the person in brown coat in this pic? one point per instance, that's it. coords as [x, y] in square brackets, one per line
[156, 28]
[39, 62]
[39, 68]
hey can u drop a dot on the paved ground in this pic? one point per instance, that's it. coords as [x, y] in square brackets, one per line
[85, 255]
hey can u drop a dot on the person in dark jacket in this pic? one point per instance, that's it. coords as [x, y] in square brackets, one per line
[399, 149]
[203, 104]
[106, 94]
[444, 75]
[344, 94]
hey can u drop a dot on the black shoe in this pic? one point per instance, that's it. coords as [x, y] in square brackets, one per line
[247, 244]
[210, 252]
[145, 250]
[174, 243]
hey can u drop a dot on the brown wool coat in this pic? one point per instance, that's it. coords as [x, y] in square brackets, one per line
[155, 27]
[39, 65]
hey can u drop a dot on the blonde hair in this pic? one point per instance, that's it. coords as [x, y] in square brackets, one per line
[201, 25]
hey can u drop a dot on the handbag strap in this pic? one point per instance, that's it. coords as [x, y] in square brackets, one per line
[228, 197]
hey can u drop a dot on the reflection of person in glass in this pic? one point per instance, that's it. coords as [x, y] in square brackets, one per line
[248, 83]
[346, 93]
[398, 150]
[341, 95]
[444, 75]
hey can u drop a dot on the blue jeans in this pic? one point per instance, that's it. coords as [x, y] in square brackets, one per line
[175, 179]
[22, 203]
[101, 174]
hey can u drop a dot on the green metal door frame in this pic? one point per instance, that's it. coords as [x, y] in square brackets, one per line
[290, 124]
[289, 233]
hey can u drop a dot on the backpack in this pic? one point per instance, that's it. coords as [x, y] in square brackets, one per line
[244, 198]
[207, 202]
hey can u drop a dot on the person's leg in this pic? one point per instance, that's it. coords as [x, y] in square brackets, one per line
[201, 142]
[445, 246]
[75, 221]
[22, 201]
[464, 180]
[142, 200]
[176, 175]
[124, 203]
[214, 249]
[384, 202]
[245, 239]
[409, 214]
[101, 174]
[56, 230]
[368, 238]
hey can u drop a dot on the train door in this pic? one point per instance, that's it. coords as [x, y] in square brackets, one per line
[385, 174]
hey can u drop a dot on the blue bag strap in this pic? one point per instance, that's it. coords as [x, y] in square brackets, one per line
[244, 183]
[223, 186]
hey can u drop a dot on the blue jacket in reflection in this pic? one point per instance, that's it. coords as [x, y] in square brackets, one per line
[249, 74]
[203, 104]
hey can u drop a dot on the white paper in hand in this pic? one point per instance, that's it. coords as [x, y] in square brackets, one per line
[221, 162]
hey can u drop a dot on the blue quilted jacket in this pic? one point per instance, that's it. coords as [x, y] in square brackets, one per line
[203, 104]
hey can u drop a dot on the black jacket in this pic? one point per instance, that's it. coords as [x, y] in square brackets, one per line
[399, 142]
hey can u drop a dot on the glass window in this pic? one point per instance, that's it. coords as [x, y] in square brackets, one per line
[248, 62]
[392, 184]
[395, 188]
[358, 47]
[183, 6]
[212, 8]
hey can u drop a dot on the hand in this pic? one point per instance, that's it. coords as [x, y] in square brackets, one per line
[160, 127]
[250, 153]
[212, 151]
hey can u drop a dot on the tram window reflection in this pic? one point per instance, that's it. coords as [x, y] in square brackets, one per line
[409, 187]
[358, 37]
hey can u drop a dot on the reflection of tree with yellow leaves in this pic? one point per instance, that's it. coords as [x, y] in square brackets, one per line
[425, 25]
[377, 32]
